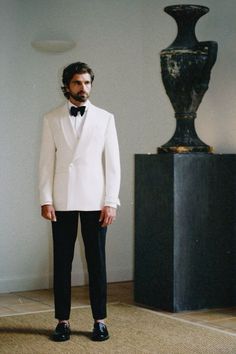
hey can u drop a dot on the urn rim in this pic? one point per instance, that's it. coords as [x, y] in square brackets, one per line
[186, 8]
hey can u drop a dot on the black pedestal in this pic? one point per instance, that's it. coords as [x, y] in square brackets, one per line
[185, 224]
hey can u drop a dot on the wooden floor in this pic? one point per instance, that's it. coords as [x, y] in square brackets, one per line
[40, 300]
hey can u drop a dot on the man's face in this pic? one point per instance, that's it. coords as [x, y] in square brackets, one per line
[79, 88]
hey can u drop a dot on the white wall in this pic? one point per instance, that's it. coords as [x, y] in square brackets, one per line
[121, 40]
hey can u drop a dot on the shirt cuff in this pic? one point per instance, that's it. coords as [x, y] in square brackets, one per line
[112, 205]
[46, 203]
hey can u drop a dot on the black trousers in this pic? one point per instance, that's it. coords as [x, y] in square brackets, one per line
[94, 237]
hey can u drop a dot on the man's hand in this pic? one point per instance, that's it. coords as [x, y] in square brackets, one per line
[48, 212]
[107, 216]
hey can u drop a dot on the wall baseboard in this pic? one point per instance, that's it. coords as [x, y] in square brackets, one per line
[46, 281]
[24, 284]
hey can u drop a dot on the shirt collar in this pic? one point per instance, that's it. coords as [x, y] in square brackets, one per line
[70, 104]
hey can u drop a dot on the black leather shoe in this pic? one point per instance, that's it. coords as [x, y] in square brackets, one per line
[100, 332]
[62, 332]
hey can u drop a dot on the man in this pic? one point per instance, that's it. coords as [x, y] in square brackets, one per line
[79, 177]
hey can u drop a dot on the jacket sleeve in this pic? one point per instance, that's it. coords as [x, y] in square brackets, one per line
[46, 165]
[112, 165]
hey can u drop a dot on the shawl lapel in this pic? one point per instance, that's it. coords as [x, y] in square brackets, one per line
[67, 128]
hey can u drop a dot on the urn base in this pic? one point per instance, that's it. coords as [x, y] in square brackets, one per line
[184, 149]
[185, 138]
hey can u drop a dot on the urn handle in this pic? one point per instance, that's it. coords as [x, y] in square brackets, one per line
[211, 48]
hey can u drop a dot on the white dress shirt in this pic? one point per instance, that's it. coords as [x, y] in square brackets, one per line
[78, 121]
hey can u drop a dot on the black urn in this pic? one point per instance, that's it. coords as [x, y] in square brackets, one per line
[186, 67]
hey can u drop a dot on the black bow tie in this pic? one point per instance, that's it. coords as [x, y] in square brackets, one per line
[74, 110]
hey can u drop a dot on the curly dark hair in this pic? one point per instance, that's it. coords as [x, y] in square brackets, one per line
[70, 71]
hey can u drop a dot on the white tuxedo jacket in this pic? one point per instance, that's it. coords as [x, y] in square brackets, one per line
[79, 174]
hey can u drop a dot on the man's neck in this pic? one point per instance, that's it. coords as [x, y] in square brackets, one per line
[77, 103]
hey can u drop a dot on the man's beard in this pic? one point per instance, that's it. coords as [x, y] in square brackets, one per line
[81, 97]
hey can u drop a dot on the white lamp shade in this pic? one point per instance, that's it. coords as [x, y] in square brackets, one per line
[54, 46]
